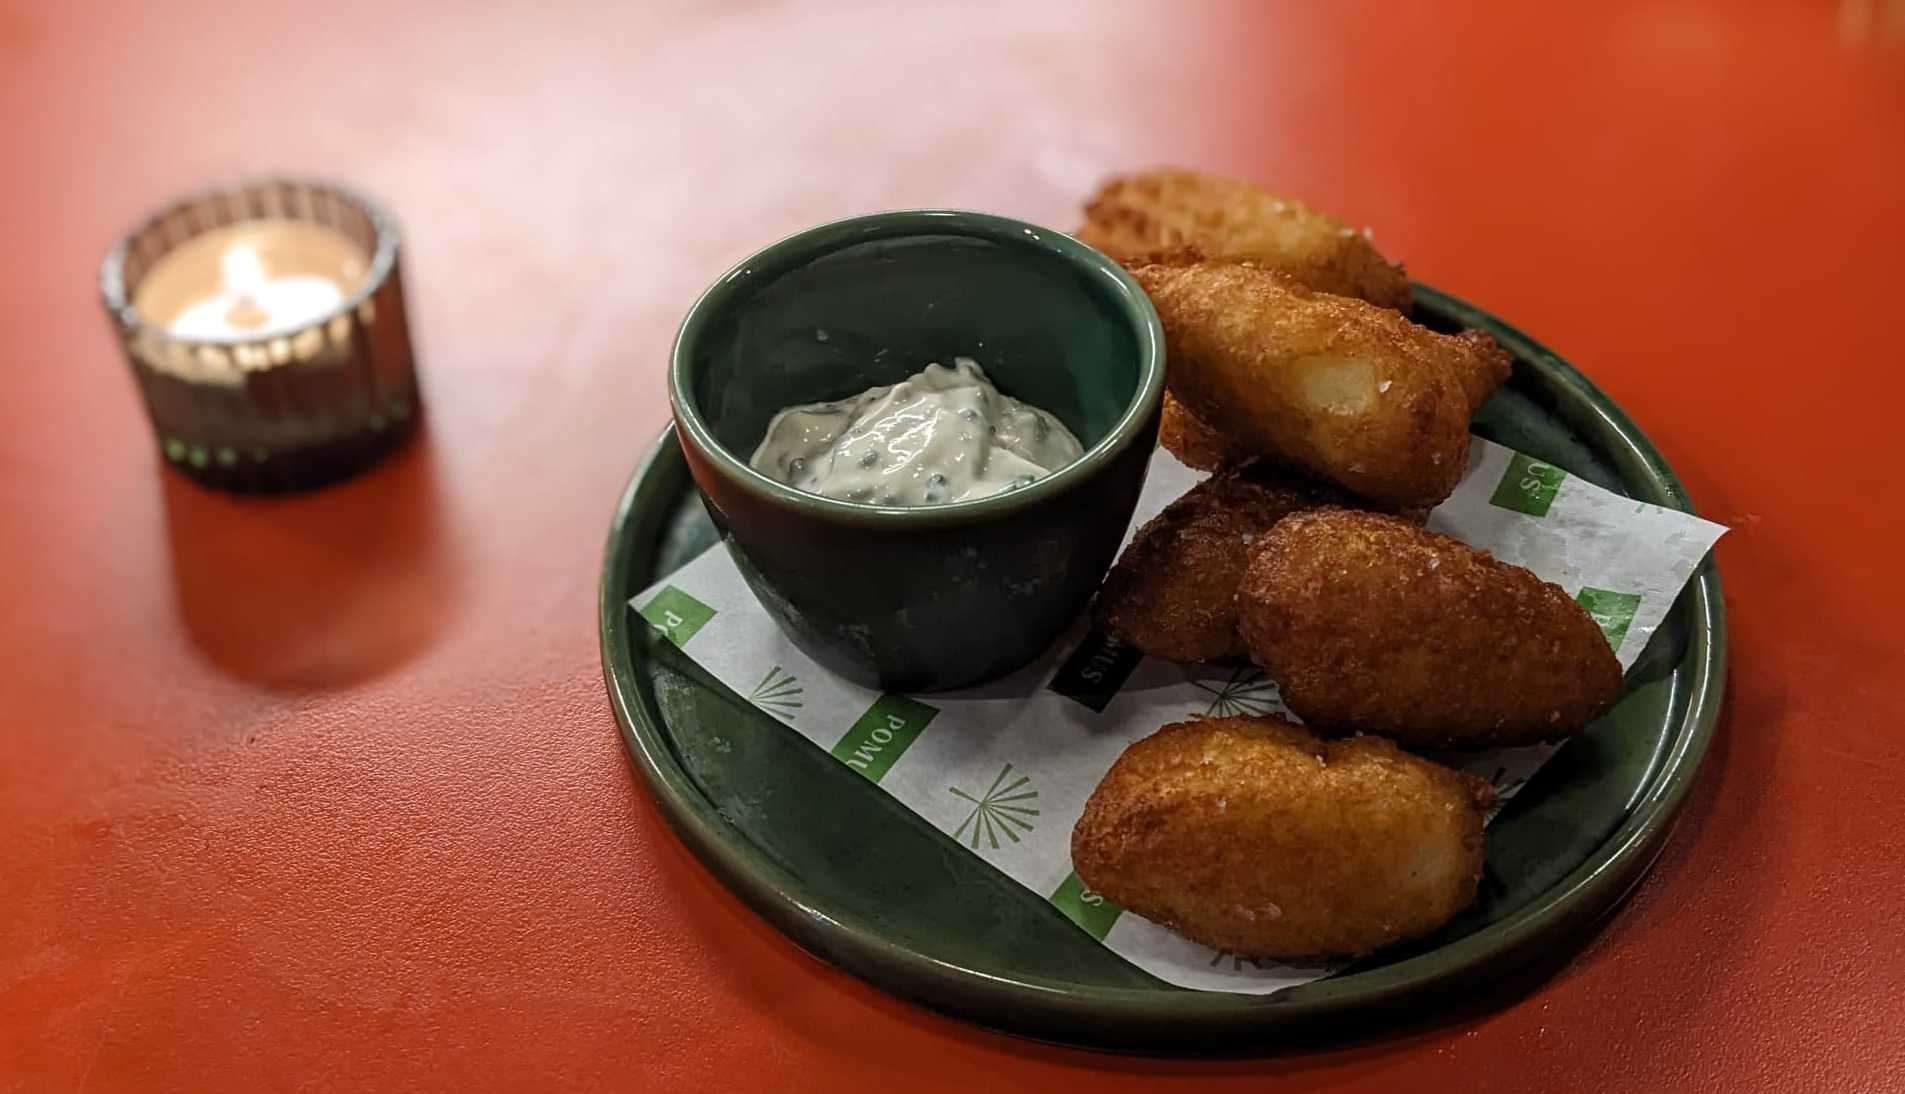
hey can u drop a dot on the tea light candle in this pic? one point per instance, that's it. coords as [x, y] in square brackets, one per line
[251, 280]
[264, 325]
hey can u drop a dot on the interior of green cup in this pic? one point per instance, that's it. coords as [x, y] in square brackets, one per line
[870, 301]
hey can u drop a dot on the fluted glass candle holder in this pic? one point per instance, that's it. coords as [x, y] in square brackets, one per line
[265, 326]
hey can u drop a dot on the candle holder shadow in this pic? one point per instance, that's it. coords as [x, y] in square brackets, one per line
[286, 409]
[319, 591]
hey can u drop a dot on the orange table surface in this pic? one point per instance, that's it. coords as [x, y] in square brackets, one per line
[324, 793]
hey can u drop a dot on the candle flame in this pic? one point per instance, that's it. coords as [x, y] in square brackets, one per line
[244, 271]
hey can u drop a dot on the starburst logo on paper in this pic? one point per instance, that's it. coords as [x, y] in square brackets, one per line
[1006, 808]
[779, 693]
[1237, 962]
[1247, 691]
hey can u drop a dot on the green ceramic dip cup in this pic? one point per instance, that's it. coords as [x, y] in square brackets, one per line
[940, 596]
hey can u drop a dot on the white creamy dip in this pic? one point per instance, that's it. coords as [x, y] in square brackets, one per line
[941, 436]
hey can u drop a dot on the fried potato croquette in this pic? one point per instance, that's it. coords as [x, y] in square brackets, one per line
[1354, 393]
[1254, 836]
[1192, 442]
[1173, 593]
[1231, 219]
[1374, 625]
[1480, 363]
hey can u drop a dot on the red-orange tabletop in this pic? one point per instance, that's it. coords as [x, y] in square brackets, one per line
[323, 793]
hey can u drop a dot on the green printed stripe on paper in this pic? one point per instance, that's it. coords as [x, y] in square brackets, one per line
[881, 735]
[1087, 909]
[1528, 486]
[1096, 670]
[676, 614]
[1614, 612]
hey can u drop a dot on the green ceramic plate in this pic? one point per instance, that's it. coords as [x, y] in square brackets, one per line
[851, 875]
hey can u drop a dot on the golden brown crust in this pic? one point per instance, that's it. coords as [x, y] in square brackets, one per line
[1341, 388]
[1173, 593]
[1195, 444]
[1256, 837]
[1232, 219]
[1480, 363]
[1371, 624]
